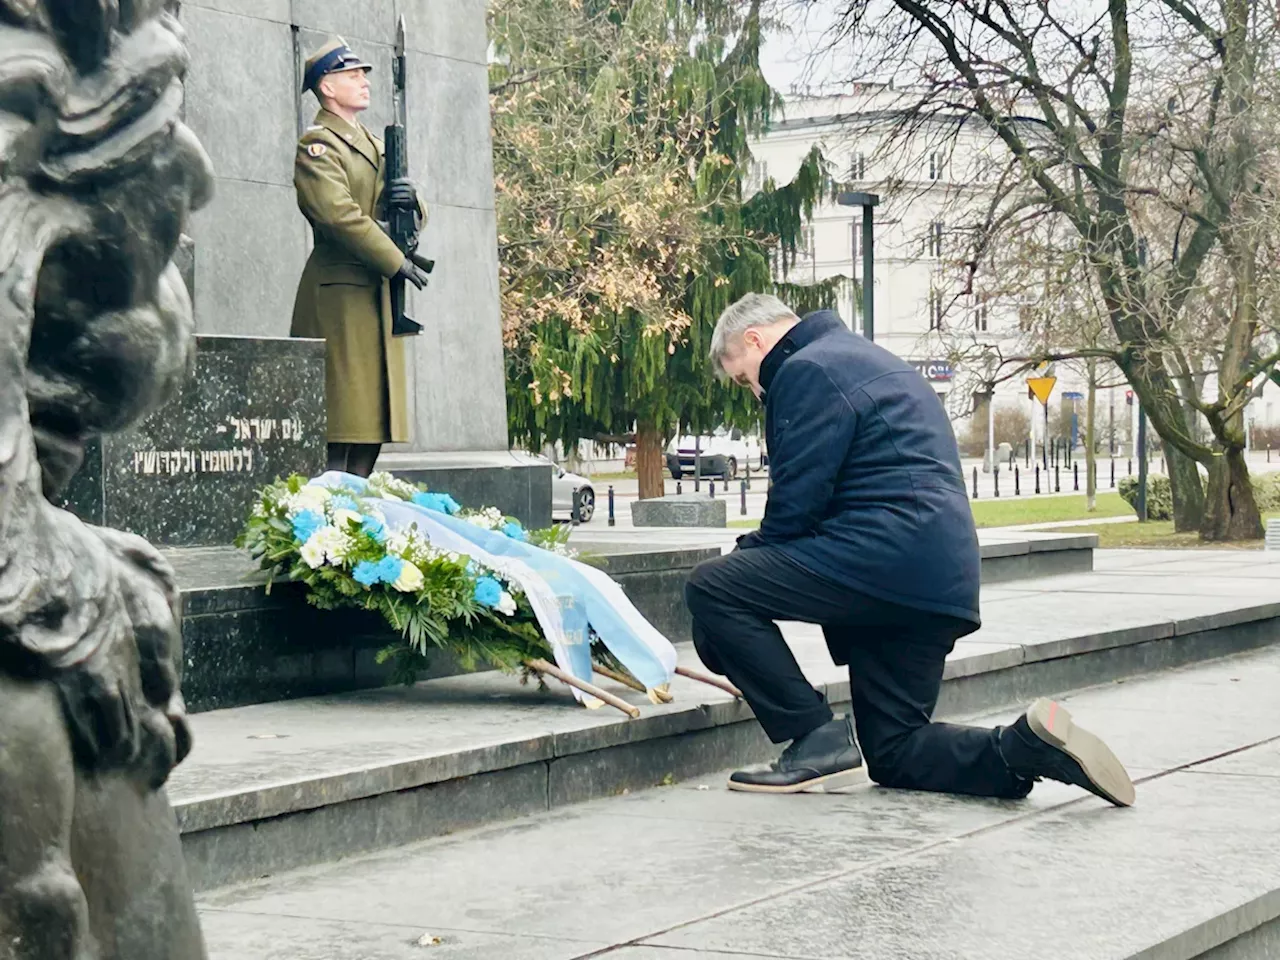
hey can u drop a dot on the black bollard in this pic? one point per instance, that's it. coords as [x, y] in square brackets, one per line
[613, 520]
[576, 510]
[975, 483]
[1162, 464]
[1017, 482]
[744, 498]
[996, 477]
[1075, 469]
[1057, 479]
[1129, 473]
[1028, 453]
[1037, 478]
[1113, 473]
[679, 488]
[711, 486]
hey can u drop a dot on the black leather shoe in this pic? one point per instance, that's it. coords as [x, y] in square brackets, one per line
[822, 760]
[1045, 744]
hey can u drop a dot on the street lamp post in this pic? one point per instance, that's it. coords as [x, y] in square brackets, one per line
[868, 202]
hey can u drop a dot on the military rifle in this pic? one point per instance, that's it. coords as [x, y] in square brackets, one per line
[402, 219]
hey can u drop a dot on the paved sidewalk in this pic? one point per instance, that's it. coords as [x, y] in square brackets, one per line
[697, 872]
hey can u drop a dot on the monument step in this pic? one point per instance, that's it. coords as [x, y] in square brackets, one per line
[1192, 870]
[283, 785]
[244, 646]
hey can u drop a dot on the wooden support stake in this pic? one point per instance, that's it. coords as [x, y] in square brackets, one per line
[551, 670]
[724, 685]
[663, 695]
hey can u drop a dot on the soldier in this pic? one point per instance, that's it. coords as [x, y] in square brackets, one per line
[343, 295]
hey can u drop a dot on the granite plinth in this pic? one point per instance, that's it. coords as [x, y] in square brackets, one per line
[371, 752]
[518, 485]
[244, 645]
[251, 411]
[680, 510]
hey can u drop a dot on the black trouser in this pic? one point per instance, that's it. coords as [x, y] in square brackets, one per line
[896, 656]
[354, 458]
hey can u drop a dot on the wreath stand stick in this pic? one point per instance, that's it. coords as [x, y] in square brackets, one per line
[551, 670]
[663, 696]
[724, 685]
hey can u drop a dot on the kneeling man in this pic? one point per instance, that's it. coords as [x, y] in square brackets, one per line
[869, 533]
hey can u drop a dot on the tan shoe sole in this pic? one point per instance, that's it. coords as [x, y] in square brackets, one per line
[828, 784]
[1053, 724]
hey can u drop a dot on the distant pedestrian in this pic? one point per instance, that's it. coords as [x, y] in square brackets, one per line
[868, 532]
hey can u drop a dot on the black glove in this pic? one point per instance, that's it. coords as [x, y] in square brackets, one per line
[409, 271]
[402, 195]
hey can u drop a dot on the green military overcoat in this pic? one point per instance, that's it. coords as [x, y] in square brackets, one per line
[344, 296]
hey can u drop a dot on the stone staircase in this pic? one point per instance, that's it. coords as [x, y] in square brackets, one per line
[694, 872]
[278, 786]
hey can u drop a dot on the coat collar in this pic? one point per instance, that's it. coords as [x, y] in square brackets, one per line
[357, 137]
[813, 327]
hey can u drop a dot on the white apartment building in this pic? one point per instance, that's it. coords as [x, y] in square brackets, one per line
[926, 182]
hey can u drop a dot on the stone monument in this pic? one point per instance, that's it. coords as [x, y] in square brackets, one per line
[251, 242]
[97, 176]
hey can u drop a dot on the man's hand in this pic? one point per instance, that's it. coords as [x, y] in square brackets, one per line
[411, 272]
[402, 195]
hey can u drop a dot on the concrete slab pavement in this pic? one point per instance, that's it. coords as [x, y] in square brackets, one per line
[695, 871]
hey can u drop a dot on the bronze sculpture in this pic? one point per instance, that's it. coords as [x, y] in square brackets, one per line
[97, 177]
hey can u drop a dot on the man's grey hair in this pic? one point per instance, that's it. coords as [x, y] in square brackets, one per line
[753, 310]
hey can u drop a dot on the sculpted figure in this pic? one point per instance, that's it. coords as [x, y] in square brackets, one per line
[97, 177]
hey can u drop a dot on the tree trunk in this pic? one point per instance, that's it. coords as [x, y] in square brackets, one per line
[1090, 454]
[649, 461]
[1187, 490]
[1230, 513]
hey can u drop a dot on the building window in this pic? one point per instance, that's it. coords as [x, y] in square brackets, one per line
[806, 242]
[1026, 317]
[981, 313]
[937, 165]
[935, 310]
[933, 243]
[858, 167]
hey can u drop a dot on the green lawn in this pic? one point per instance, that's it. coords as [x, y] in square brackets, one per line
[616, 475]
[1158, 535]
[1006, 513]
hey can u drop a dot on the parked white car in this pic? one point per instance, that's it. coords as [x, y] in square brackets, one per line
[563, 485]
[723, 454]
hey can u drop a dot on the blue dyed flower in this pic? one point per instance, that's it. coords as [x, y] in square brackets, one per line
[515, 531]
[305, 524]
[344, 502]
[488, 592]
[389, 569]
[366, 573]
[440, 502]
[375, 528]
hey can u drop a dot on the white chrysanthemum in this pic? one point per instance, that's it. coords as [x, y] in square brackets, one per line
[313, 554]
[259, 511]
[310, 497]
[385, 485]
[410, 579]
[506, 605]
[398, 545]
[335, 544]
[343, 516]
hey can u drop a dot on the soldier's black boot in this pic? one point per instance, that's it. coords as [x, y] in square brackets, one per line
[823, 759]
[1044, 743]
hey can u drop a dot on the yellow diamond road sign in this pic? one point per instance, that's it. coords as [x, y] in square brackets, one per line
[1042, 387]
